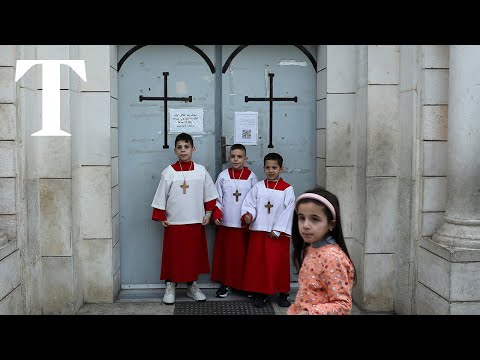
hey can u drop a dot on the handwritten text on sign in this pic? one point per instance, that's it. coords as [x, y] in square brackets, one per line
[186, 120]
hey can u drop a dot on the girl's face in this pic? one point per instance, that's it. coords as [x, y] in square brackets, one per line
[184, 150]
[312, 222]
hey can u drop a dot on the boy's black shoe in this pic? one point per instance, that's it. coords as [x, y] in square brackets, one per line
[283, 300]
[223, 291]
[261, 300]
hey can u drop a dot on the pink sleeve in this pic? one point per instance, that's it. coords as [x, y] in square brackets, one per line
[338, 286]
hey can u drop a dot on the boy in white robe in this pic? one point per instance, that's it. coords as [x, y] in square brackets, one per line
[183, 203]
[268, 209]
[231, 239]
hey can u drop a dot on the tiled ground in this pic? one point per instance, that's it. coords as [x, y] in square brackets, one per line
[149, 302]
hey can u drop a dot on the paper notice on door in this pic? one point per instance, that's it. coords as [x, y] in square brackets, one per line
[246, 127]
[186, 120]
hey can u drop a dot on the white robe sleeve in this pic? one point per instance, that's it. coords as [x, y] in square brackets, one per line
[161, 195]
[284, 221]
[250, 203]
[209, 189]
[219, 187]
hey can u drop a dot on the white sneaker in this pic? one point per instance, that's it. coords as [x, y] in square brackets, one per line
[169, 296]
[195, 293]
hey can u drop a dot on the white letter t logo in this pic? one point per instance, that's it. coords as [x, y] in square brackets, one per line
[51, 91]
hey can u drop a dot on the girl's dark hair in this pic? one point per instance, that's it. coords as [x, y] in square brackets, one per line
[184, 137]
[299, 245]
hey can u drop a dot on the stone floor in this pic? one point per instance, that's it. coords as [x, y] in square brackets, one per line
[149, 302]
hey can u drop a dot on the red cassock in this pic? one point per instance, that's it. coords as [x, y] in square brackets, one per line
[185, 253]
[229, 256]
[267, 266]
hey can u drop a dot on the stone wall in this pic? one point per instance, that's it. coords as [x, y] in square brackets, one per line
[58, 195]
[361, 88]
[96, 197]
[11, 296]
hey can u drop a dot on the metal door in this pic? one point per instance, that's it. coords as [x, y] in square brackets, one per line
[142, 148]
[249, 72]
[218, 78]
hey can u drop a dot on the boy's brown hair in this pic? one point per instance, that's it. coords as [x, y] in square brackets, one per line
[274, 156]
[184, 137]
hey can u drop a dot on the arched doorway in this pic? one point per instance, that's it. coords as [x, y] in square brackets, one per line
[219, 79]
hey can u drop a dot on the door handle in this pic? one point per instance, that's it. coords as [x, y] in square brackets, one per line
[223, 143]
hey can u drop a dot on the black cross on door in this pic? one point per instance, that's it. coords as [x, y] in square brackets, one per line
[165, 99]
[271, 99]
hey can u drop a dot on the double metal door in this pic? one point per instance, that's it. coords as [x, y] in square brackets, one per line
[221, 81]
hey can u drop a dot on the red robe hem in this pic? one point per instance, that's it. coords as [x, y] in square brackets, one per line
[229, 256]
[267, 264]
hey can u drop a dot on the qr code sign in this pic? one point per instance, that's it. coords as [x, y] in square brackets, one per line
[246, 134]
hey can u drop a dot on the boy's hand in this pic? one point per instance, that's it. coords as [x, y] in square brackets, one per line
[217, 222]
[165, 223]
[248, 218]
[206, 218]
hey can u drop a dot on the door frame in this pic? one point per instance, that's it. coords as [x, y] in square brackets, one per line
[214, 67]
